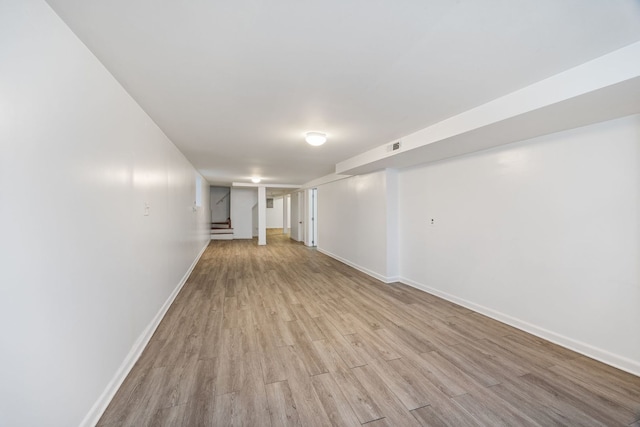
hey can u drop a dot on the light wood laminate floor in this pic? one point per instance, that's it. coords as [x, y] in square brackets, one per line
[283, 335]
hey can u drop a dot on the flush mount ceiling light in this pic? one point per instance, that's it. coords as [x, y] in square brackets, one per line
[316, 138]
[255, 179]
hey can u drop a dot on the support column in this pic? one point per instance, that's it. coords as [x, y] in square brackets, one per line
[285, 214]
[262, 215]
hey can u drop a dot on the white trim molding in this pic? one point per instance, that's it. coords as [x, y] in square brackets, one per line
[382, 278]
[98, 408]
[588, 350]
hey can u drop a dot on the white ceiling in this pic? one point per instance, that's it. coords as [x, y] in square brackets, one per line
[235, 84]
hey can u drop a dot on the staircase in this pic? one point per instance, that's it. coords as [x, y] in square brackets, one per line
[221, 230]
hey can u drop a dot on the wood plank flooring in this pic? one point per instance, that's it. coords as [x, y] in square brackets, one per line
[282, 335]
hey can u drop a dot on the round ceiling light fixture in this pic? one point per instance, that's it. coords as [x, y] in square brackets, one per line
[315, 138]
[256, 179]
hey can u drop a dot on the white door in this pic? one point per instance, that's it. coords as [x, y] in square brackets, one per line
[300, 234]
[297, 215]
[310, 215]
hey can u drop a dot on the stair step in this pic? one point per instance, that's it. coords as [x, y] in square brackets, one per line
[222, 231]
[222, 237]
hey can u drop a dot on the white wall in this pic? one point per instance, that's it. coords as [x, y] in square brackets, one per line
[392, 226]
[220, 204]
[242, 202]
[352, 222]
[544, 234]
[84, 273]
[275, 214]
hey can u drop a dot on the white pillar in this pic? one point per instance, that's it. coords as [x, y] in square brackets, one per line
[262, 215]
[285, 214]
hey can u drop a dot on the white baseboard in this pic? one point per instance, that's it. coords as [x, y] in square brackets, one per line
[588, 350]
[371, 273]
[93, 416]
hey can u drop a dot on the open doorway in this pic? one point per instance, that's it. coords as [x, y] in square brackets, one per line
[220, 205]
[278, 212]
[275, 214]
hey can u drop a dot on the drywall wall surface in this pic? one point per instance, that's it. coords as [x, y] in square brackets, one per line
[275, 215]
[242, 202]
[97, 223]
[393, 238]
[543, 233]
[352, 222]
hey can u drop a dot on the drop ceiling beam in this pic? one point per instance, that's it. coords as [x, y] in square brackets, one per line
[602, 89]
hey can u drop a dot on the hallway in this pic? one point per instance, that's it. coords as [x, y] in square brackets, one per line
[283, 335]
